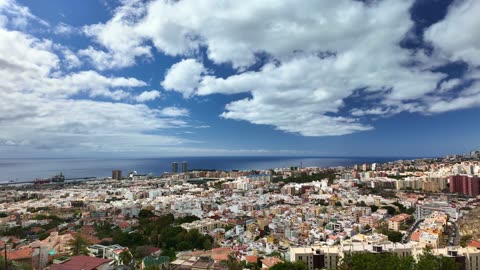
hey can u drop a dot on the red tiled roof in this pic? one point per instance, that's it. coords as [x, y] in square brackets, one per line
[80, 263]
[474, 243]
[416, 236]
[271, 261]
[124, 225]
[19, 254]
[251, 259]
[399, 217]
[150, 249]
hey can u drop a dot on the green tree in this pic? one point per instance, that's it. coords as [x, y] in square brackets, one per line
[231, 263]
[389, 261]
[428, 261]
[394, 236]
[154, 237]
[464, 240]
[253, 266]
[145, 213]
[390, 209]
[361, 203]
[207, 244]
[187, 219]
[298, 265]
[276, 254]
[78, 246]
[371, 261]
[125, 257]
[2, 263]
[170, 253]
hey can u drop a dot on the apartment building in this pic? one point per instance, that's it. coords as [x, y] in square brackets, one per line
[395, 223]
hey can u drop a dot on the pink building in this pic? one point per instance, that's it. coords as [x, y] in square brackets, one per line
[464, 184]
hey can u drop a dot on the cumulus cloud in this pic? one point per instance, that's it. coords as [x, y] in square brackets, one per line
[17, 16]
[317, 54]
[469, 97]
[304, 89]
[174, 111]
[457, 36]
[300, 67]
[184, 77]
[148, 96]
[43, 105]
[122, 44]
[70, 59]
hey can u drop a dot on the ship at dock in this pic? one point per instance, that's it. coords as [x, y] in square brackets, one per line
[59, 178]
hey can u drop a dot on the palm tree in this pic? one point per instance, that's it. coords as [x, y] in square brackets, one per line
[232, 263]
[78, 246]
[125, 257]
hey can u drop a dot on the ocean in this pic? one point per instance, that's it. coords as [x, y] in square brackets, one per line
[30, 169]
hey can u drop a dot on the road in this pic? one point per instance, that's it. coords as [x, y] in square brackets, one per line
[454, 239]
[412, 228]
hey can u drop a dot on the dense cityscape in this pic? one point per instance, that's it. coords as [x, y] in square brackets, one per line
[305, 217]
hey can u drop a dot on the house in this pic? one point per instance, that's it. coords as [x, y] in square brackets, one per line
[203, 262]
[113, 252]
[270, 261]
[97, 250]
[23, 255]
[81, 263]
[251, 259]
[395, 223]
[147, 250]
[195, 263]
[125, 226]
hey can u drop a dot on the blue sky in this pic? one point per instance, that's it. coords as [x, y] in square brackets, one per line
[184, 78]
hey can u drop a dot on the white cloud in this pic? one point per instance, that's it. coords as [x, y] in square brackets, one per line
[301, 94]
[469, 97]
[44, 107]
[448, 85]
[64, 29]
[457, 36]
[372, 111]
[317, 55]
[82, 125]
[17, 16]
[174, 112]
[323, 52]
[148, 96]
[70, 59]
[123, 45]
[184, 77]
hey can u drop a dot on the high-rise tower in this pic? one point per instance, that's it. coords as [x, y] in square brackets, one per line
[174, 167]
[184, 167]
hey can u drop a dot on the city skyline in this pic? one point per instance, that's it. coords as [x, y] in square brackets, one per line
[188, 78]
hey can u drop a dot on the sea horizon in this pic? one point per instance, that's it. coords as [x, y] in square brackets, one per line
[25, 169]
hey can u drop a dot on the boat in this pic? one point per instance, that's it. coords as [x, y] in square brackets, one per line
[40, 181]
[59, 178]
